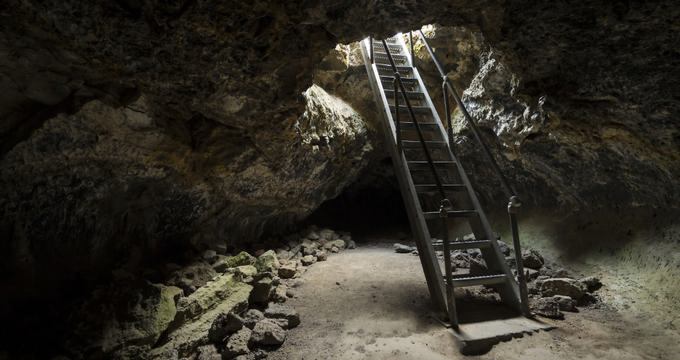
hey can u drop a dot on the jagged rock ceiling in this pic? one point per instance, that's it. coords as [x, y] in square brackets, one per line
[196, 130]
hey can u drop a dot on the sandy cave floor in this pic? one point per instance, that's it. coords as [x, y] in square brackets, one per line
[372, 303]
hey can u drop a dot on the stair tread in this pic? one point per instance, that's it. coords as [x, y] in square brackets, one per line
[416, 143]
[433, 187]
[425, 162]
[466, 280]
[400, 68]
[431, 215]
[468, 244]
[417, 109]
[390, 78]
[411, 94]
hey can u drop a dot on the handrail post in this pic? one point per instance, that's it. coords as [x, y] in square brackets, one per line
[513, 206]
[450, 295]
[370, 42]
[395, 85]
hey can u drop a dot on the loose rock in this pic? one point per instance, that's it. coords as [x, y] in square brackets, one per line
[252, 317]
[210, 256]
[321, 255]
[267, 332]
[402, 249]
[277, 311]
[279, 294]
[592, 283]
[565, 303]
[288, 271]
[267, 262]
[208, 352]
[308, 260]
[504, 248]
[237, 344]
[243, 258]
[532, 259]
[224, 325]
[563, 286]
[351, 244]
[547, 307]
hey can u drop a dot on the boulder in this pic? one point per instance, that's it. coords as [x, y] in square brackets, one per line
[351, 244]
[208, 352]
[338, 243]
[224, 325]
[243, 258]
[237, 343]
[192, 277]
[267, 332]
[279, 294]
[223, 295]
[321, 255]
[328, 235]
[308, 260]
[288, 270]
[532, 259]
[548, 307]
[221, 263]
[261, 291]
[591, 283]
[252, 317]
[565, 303]
[147, 318]
[278, 311]
[563, 286]
[267, 262]
[401, 248]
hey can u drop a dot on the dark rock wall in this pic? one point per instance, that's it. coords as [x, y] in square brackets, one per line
[185, 122]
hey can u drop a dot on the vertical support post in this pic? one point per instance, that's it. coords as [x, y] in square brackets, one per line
[397, 122]
[513, 204]
[447, 111]
[450, 295]
[410, 38]
[370, 42]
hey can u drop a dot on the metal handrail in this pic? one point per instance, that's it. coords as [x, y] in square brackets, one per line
[402, 88]
[514, 201]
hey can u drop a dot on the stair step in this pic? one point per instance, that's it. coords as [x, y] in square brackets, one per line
[377, 45]
[418, 110]
[415, 144]
[396, 57]
[389, 79]
[460, 245]
[436, 163]
[400, 68]
[412, 95]
[478, 280]
[424, 125]
[431, 215]
[433, 187]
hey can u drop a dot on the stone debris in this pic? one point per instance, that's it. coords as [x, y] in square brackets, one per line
[224, 325]
[592, 283]
[563, 286]
[208, 352]
[287, 271]
[237, 343]
[548, 307]
[321, 255]
[565, 303]
[532, 259]
[267, 332]
[278, 311]
[308, 260]
[402, 249]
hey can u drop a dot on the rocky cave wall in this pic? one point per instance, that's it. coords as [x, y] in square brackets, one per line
[131, 127]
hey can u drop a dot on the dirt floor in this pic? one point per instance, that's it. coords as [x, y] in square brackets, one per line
[372, 303]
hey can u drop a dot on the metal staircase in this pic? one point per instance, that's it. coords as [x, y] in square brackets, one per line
[434, 186]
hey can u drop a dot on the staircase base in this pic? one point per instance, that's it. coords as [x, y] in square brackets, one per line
[479, 337]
